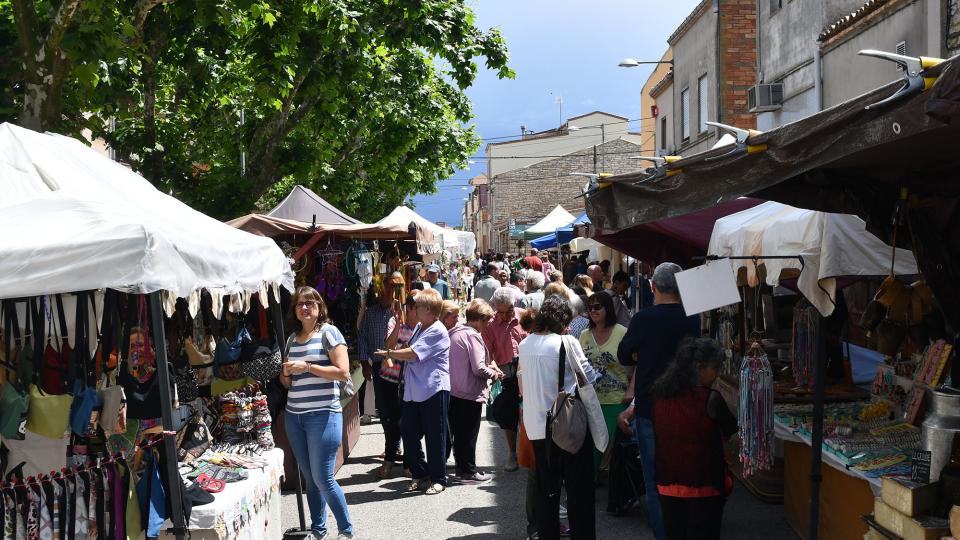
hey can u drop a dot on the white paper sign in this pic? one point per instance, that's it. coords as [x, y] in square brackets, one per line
[707, 287]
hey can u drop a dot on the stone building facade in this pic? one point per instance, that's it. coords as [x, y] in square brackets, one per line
[529, 193]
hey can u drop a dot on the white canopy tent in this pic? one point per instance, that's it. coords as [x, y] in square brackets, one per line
[832, 246]
[75, 220]
[461, 243]
[556, 219]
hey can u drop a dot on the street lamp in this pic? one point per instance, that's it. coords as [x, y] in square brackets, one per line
[630, 62]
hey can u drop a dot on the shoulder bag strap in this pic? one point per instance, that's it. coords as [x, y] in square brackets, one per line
[62, 319]
[563, 365]
[11, 331]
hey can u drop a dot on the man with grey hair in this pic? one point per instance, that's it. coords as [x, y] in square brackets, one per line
[650, 344]
[534, 297]
[502, 336]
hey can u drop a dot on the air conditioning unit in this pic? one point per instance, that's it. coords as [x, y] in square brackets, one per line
[765, 97]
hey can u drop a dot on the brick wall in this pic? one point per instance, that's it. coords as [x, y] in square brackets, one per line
[531, 192]
[738, 46]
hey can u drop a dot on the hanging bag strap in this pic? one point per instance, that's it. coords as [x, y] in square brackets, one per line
[11, 332]
[62, 320]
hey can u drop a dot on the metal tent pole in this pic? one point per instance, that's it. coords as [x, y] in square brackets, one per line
[276, 312]
[816, 439]
[166, 406]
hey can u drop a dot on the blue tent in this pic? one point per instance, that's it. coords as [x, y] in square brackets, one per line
[563, 234]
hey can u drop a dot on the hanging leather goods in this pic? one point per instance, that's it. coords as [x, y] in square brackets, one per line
[56, 361]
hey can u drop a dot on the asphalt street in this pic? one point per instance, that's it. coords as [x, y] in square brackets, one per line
[380, 510]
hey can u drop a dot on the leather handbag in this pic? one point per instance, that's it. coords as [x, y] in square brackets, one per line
[201, 362]
[572, 415]
[567, 418]
[193, 439]
[49, 415]
[264, 365]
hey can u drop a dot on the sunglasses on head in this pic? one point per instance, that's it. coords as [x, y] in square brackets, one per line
[596, 307]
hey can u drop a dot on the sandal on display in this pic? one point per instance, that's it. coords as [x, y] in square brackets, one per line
[210, 485]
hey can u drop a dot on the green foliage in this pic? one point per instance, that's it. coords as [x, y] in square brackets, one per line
[361, 100]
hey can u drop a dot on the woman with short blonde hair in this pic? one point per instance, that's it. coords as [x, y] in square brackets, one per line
[479, 310]
[426, 395]
[470, 370]
[431, 301]
[450, 314]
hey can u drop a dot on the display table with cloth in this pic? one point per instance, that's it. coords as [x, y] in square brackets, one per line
[845, 493]
[244, 510]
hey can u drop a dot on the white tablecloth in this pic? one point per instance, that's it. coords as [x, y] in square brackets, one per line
[787, 433]
[245, 510]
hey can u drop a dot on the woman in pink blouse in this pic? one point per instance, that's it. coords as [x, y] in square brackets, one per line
[470, 370]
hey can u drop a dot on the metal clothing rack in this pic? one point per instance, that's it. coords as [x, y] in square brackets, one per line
[819, 380]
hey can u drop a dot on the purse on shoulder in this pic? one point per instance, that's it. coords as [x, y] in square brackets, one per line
[567, 418]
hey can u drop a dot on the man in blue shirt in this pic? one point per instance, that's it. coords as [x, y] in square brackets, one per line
[371, 335]
[433, 277]
[650, 344]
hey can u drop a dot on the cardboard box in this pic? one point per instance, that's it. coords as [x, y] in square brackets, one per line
[907, 497]
[888, 518]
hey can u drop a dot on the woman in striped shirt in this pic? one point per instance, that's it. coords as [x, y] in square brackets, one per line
[316, 362]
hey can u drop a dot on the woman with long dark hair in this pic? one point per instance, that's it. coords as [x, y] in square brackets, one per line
[690, 423]
[317, 361]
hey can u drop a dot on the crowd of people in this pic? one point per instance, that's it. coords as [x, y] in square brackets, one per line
[528, 332]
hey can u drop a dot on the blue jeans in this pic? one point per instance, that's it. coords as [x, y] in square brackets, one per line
[315, 438]
[643, 428]
[426, 420]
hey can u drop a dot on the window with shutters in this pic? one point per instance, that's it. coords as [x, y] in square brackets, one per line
[702, 104]
[685, 114]
[663, 133]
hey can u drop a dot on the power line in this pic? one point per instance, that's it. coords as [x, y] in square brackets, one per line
[627, 121]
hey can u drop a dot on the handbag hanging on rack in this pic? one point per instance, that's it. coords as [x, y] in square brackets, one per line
[55, 365]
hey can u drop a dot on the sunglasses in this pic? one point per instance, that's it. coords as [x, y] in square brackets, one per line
[596, 307]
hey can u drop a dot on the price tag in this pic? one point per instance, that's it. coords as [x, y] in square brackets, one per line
[920, 466]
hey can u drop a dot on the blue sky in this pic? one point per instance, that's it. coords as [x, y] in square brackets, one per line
[559, 47]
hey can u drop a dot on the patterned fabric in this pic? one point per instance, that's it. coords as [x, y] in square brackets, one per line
[373, 331]
[33, 515]
[9, 518]
[309, 393]
[80, 522]
[46, 520]
[57, 508]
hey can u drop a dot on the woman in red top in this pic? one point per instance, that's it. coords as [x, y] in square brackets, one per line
[690, 423]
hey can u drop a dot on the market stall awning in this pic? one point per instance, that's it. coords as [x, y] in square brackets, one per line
[557, 218]
[562, 235]
[846, 159]
[676, 239]
[75, 220]
[302, 204]
[832, 246]
[264, 225]
[460, 243]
